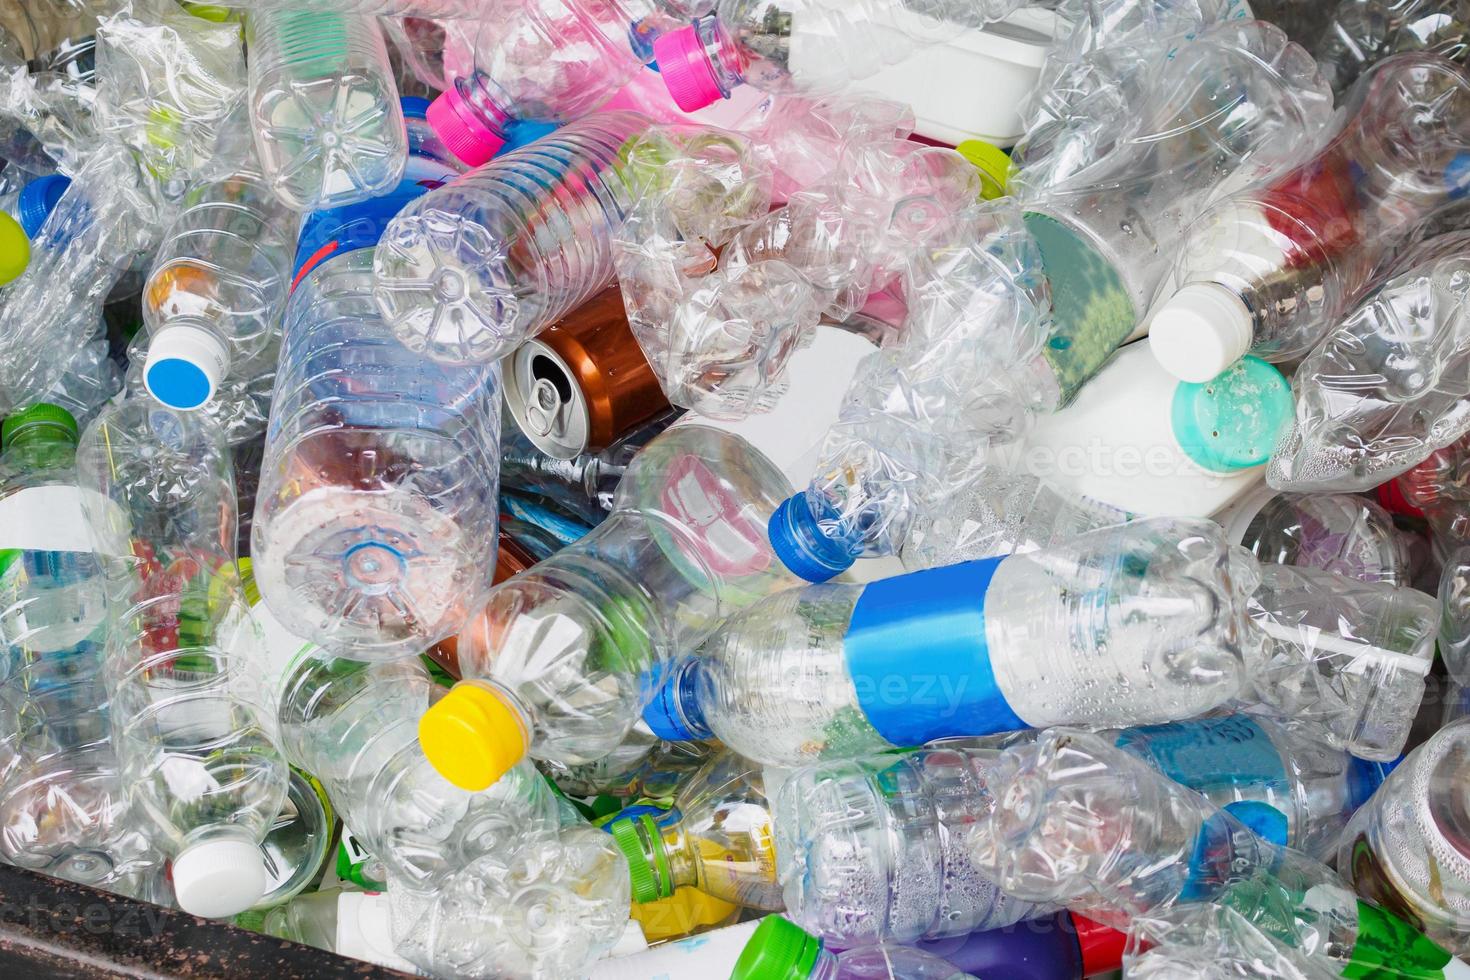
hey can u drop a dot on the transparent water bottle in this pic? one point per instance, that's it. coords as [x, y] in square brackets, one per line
[781, 950]
[377, 501]
[880, 849]
[1139, 623]
[716, 838]
[1289, 786]
[806, 45]
[183, 655]
[1407, 850]
[216, 292]
[328, 127]
[472, 269]
[1270, 269]
[62, 810]
[566, 656]
[1077, 820]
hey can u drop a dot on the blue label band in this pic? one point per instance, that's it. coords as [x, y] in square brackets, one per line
[1244, 835]
[1212, 754]
[917, 656]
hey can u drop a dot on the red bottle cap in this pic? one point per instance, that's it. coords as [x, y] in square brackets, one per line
[1391, 496]
[1102, 946]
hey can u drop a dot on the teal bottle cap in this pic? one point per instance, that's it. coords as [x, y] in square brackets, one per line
[1232, 421]
[777, 950]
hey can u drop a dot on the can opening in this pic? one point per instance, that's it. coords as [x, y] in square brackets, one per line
[544, 368]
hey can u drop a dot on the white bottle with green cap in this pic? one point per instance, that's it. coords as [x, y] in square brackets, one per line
[1139, 439]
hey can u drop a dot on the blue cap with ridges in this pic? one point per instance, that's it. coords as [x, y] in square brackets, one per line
[414, 106]
[38, 199]
[798, 540]
[674, 713]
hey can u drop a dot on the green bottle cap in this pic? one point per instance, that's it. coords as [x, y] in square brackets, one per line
[993, 163]
[15, 249]
[626, 835]
[1232, 421]
[58, 422]
[777, 950]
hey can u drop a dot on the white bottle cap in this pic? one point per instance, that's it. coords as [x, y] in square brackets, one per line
[220, 877]
[1200, 331]
[185, 365]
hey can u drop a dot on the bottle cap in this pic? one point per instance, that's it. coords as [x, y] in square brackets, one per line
[15, 249]
[1391, 497]
[60, 424]
[993, 163]
[1232, 422]
[219, 877]
[1200, 331]
[462, 128]
[777, 950]
[629, 833]
[686, 70]
[1364, 777]
[414, 107]
[185, 365]
[38, 199]
[1102, 946]
[673, 712]
[801, 544]
[472, 736]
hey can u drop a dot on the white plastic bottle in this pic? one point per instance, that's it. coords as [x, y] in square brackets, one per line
[183, 658]
[376, 511]
[324, 107]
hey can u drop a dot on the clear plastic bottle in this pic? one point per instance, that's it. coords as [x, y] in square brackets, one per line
[217, 289]
[564, 657]
[781, 950]
[1385, 388]
[1408, 848]
[1454, 626]
[201, 773]
[1077, 820]
[551, 61]
[1290, 787]
[880, 849]
[1238, 96]
[1270, 269]
[717, 838]
[1333, 532]
[62, 810]
[806, 45]
[1345, 660]
[1134, 624]
[377, 501]
[324, 106]
[348, 923]
[469, 271]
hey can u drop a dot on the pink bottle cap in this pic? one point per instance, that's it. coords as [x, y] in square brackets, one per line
[460, 126]
[686, 69]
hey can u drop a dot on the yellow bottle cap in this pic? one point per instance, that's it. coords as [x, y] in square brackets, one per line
[992, 162]
[15, 249]
[472, 736]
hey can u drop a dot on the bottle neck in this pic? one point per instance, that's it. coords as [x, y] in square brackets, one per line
[41, 444]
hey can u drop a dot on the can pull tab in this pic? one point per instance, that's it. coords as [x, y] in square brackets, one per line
[545, 409]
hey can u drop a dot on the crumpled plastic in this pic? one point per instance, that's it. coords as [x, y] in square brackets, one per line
[1206, 941]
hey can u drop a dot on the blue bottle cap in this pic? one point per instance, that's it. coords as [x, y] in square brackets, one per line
[524, 132]
[38, 199]
[802, 546]
[1364, 778]
[673, 713]
[414, 106]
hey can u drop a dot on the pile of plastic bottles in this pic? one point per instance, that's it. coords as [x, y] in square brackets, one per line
[905, 489]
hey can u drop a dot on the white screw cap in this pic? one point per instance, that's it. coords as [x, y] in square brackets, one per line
[185, 366]
[1200, 331]
[220, 877]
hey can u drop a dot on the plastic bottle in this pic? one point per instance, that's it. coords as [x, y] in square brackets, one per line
[1335, 532]
[878, 849]
[217, 289]
[1108, 231]
[1275, 778]
[1382, 392]
[1063, 946]
[717, 838]
[805, 45]
[328, 126]
[198, 768]
[1345, 660]
[1269, 270]
[376, 508]
[434, 9]
[829, 672]
[1454, 627]
[551, 61]
[563, 664]
[1407, 849]
[471, 270]
[349, 923]
[61, 804]
[780, 950]
[1078, 820]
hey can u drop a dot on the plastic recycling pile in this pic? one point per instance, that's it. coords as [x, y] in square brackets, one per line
[889, 488]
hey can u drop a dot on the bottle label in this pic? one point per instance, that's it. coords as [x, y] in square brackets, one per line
[365, 931]
[356, 863]
[327, 234]
[1215, 756]
[951, 690]
[1388, 948]
[48, 518]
